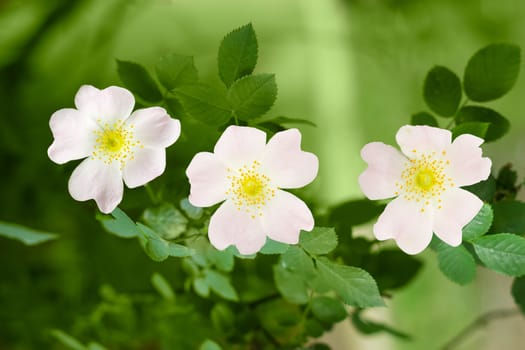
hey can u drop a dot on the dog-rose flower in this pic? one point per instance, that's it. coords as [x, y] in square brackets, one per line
[117, 143]
[425, 177]
[247, 174]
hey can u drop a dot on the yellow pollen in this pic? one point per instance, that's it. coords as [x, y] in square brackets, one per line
[425, 179]
[115, 142]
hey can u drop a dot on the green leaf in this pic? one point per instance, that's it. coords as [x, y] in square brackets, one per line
[209, 345]
[321, 240]
[328, 310]
[502, 252]
[175, 70]
[253, 95]
[491, 72]
[355, 212]
[162, 286]
[222, 318]
[167, 221]
[370, 327]
[95, 346]
[474, 128]
[485, 190]
[391, 268]
[353, 285]
[442, 91]
[291, 286]
[121, 225]
[282, 320]
[201, 287]
[67, 340]
[456, 263]
[296, 261]
[423, 118]
[157, 248]
[313, 328]
[204, 103]
[273, 247]
[498, 127]
[25, 235]
[222, 259]
[191, 211]
[282, 120]
[237, 54]
[137, 79]
[480, 225]
[518, 292]
[221, 285]
[509, 216]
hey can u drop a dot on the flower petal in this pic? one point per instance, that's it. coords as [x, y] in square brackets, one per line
[467, 167]
[459, 207]
[419, 139]
[147, 164]
[107, 105]
[74, 136]
[230, 226]
[404, 221]
[208, 180]
[239, 145]
[93, 179]
[385, 166]
[285, 216]
[154, 127]
[286, 164]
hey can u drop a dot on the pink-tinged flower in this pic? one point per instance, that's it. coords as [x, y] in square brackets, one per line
[248, 174]
[426, 179]
[117, 144]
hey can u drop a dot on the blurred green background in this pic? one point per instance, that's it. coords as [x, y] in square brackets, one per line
[354, 67]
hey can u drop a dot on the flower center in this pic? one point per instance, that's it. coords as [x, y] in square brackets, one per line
[425, 179]
[250, 189]
[115, 142]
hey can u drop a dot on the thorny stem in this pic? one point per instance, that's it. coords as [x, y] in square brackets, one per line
[481, 321]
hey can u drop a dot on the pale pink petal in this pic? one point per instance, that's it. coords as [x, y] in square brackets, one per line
[385, 166]
[404, 222]
[240, 145]
[154, 127]
[208, 180]
[467, 166]
[284, 216]
[146, 165]
[414, 140]
[93, 179]
[108, 105]
[459, 207]
[74, 136]
[230, 226]
[286, 164]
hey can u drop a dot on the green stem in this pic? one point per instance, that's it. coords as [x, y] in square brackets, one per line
[152, 196]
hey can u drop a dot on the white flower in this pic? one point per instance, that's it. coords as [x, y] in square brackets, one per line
[248, 174]
[117, 144]
[426, 179]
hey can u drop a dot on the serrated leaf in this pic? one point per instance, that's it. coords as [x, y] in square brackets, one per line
[221, 285]
[165, 220]
[423, 118]
[237, 54]
[138, 80]
[370, 327]
[321, 240]
[442, 91]
[353, 285]
[291, 286]
[509, 216]
[480, 225]
[252, 96]
[473, 128]
[175, 70]
[273, 247]
[67, 340]
[209, 345]
[502, 252]
[498, 127]
[121, 225]
[295, 260]
[328, 310]
[204, 103]
[26, 235]
[456, 263]
[518, 292]
[162, 286]
[491, 72]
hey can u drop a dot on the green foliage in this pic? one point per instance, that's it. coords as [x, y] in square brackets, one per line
[159, 249]
[220, 284]
[166, 220]
[485, 190]
[474, 128]
[72, 343]
[456, 263]
[204, 103]
[371, 327]
[272, 247]
[162, 286]
[321, 240]
[480, 224]
[138, 80]
[191, 211]
[25, 235]
[298, 262]
[518, 292]
[290, 285]
[209, 345]
[391, 268]
[502, 252]
[507, 185]
[280, 120]
[222, 318]
[442, 91]
[491, 72]
[509, 216]
[498, 127]
[237, 54]
[423, 118]
[252, 96]
[355, 212]
[175, 70]
[120, 225]
[328, 310]
[282, 320]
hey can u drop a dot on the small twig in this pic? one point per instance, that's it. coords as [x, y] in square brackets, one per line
[481, 321]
